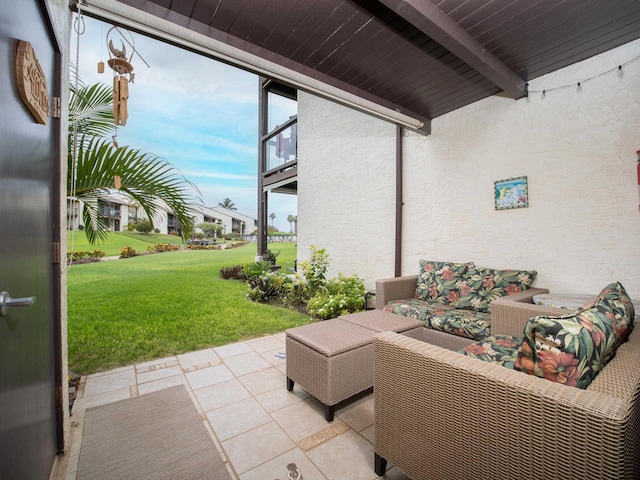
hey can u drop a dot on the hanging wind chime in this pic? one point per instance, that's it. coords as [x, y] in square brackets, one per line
[122, 74]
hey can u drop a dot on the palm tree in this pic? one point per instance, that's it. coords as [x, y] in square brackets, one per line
[290, 220]
[272, 217]
[228, 204]
[99, 166]
[295, 224]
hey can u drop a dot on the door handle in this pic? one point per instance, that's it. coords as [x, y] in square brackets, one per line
[6, 301]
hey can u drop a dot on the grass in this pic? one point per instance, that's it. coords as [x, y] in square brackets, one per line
[153, 306]
[116, 240]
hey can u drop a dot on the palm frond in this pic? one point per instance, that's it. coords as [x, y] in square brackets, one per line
[145, 177]
[91, 110]
[95, 228]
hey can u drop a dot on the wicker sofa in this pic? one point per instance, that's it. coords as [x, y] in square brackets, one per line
[440, 414]
[398, 295]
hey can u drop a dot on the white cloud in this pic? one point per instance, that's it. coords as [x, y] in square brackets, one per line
[197, 113]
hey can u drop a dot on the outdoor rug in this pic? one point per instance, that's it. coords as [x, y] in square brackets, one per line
[159, 435]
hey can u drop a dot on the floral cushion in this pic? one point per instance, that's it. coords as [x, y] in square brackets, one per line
[622, 313]
[499, 349]
[438, 281]
[438, 316]
[572, 349]
[464, 323]
[483, 285]
[418, 309]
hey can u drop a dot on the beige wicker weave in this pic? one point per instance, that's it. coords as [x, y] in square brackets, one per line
[380, 321]
[441, 415]
[333, 360]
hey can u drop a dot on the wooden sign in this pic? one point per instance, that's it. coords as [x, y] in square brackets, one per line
[32, 83]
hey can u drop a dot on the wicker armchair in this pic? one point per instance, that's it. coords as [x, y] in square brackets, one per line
[442, 415]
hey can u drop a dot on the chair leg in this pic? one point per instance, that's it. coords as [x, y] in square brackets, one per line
[380, 465]
[290, 384]
[328, 412]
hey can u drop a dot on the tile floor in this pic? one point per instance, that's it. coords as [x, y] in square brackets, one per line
[257, 425]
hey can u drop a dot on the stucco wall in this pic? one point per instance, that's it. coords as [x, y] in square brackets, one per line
[346, 187]
[581, 230]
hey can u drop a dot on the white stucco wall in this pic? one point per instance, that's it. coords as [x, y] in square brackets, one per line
[346, 187]
[581, 230]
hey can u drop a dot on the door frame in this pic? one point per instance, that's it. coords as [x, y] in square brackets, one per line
[60, 34]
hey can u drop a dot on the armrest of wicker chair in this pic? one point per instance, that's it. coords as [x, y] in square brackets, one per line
[397, 288]
[509, 314]
[440, 414]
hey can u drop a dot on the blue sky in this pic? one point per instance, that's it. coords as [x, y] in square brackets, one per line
[198, 114]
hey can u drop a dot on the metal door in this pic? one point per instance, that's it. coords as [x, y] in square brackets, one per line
[28, 156]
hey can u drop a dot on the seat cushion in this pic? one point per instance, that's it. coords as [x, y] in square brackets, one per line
[484, 285]
[445, 318]
[572, 349]
[464, 323]
[498, 349]
[438, 282]
[418, 309]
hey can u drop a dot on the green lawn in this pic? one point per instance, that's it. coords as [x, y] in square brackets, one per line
[154, 306]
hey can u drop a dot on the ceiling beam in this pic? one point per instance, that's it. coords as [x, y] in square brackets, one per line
[434, 23]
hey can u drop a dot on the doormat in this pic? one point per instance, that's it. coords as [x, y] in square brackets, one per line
[159, 435]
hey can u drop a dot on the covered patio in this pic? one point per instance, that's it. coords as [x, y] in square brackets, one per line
[409, 112]
[257, 425]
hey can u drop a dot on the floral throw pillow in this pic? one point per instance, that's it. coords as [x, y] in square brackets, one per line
[622, 312]
[439, 281]
[572, 349]
[484, 285]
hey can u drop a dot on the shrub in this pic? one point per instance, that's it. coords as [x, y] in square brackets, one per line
[84, 257]
[315, 269]
[203, 247]
[270, 257]
[128, 252]
[263, 288]
[162, 247]
[256, 269]
[342, 295]
[143, 225]
[294, 292]
[235, 272]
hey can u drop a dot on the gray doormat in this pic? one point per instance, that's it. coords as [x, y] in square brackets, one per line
[159, 435]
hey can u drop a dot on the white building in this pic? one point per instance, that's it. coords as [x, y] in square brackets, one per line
[118, 210]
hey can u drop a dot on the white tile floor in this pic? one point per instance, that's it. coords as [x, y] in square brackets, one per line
[258, 426]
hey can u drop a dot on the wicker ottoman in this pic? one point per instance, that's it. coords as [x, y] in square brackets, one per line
[332, 360]
[381, 321]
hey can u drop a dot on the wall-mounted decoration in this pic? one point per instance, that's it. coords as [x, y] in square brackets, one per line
[32, 84]
[511, 193]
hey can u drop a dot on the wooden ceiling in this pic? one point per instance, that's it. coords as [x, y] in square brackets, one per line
[418, 57]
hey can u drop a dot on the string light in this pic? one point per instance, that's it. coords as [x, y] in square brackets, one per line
[619, 71]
